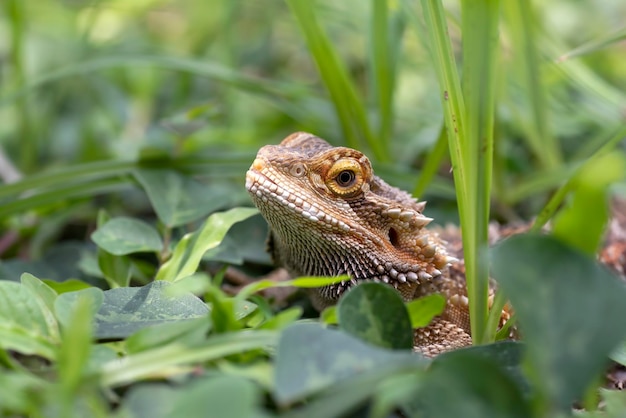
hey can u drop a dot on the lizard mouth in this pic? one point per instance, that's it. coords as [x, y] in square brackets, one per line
[264, 190]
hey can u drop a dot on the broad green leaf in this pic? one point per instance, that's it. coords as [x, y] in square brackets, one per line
[215, 394]
[508, 355]
[423, 310]
[149, 400]
[619, 354]
[560, 298]
[121, 236]
[45, 296]
[116, 269]
[470, 386]
[375, 313]
[189, 251]
[582, 223]
[66, 303]
[24, 322]
[160, 361]
[126, 310]
[310, 358]
[178, 198]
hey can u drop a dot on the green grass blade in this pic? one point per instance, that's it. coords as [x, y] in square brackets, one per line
[348, 105]
[595, 45]
[387, 27]
[480, 50]
[432, 163]
[521, 23]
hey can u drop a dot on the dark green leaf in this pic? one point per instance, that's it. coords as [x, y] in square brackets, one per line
[376, 313]
[121, 236]
[310, 358]
[178, 198]
[470, 386]
[213, 396]
[128, 309]
[571, 311]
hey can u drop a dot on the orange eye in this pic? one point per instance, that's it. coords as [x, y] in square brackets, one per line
[345, 177]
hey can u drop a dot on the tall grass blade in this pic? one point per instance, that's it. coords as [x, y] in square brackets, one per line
[479, 25]
[522, 26]
[386, 30]
[348, 105]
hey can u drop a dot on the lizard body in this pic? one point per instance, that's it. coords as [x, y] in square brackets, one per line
[330, 215]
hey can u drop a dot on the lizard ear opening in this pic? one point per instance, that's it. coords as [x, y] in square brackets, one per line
[394, 237]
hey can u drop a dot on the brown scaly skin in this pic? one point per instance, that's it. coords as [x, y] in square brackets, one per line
[329, 215]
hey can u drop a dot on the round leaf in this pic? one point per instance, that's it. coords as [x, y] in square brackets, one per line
[376, 313]
[121, 236]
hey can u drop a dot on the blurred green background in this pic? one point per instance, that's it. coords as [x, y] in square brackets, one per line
[90, 91]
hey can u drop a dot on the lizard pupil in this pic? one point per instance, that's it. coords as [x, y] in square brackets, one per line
[346, 178]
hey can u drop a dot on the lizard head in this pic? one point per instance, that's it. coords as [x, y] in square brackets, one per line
[330, 215]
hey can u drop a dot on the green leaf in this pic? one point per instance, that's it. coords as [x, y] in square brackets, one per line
[311, 282]
[305, 364]
[215, 394]
[468, 385]
[560, 297]
[151, 400]
[126, 310]
[179, 199]
[76, 342]
[117, 270]
[209, 396]
[376, 313]
[159, 361]
[189, 251]
[589, 206]
[45, 296]
[25, 322]
[423, 310]
[121, 236]
[71, 285]
[188, 332]
[282, 319]
[66, 304]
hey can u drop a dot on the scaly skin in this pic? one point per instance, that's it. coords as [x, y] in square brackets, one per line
[330, 215]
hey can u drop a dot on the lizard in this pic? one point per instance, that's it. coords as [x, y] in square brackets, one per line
[329, 215]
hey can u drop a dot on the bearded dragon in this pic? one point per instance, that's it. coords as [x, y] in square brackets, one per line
[329, 215]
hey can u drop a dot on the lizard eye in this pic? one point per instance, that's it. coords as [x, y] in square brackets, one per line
[346, 178]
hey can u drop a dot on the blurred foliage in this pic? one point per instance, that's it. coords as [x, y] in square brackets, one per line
[124, 124]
